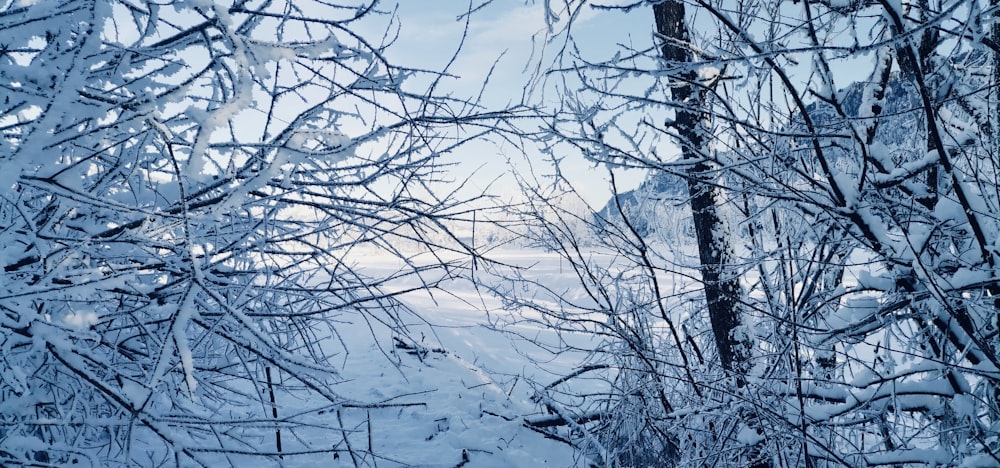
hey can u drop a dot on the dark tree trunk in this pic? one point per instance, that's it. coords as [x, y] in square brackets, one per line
[722, 292]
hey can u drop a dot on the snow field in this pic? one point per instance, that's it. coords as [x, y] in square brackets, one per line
[453, 390]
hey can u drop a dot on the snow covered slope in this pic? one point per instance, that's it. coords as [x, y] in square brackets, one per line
[446, 395]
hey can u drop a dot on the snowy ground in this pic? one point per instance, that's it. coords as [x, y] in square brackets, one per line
[459, 399]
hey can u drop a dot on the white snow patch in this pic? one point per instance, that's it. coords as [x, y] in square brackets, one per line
[80, 320]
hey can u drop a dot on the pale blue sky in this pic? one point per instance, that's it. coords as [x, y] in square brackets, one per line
[515, 29]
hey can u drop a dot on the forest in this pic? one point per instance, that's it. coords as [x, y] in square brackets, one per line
[234, 233]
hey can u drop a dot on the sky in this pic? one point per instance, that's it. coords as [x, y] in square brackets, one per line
[509, 36]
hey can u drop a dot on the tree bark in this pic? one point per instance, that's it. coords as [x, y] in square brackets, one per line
[722, 292]
[715, 252]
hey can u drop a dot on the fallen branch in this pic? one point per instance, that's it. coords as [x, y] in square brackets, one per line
[557, 420]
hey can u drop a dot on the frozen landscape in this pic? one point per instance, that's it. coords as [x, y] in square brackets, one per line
[470, 383]
[621, 233]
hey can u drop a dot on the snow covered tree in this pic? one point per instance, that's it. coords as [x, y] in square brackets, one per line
[853, 149]
[688, 88]
[179, 183]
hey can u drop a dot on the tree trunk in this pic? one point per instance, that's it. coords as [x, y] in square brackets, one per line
[722, 292]
[715, 252]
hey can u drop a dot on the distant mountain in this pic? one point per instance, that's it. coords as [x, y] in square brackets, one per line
[659, 193]
[900, 122]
